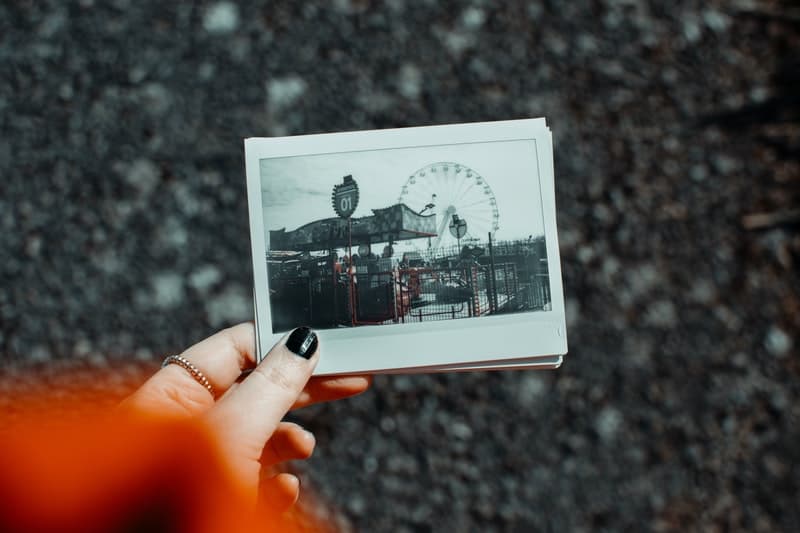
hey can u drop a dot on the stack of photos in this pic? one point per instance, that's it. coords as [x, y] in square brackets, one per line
[410, 250]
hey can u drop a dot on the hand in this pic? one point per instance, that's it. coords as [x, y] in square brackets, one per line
[245, 419]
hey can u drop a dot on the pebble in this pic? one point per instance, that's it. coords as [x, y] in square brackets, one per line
[204, 278]
[143, 354]
[778, 342]
[473, 18]
[167, 290]
[703, 290]
[40, 354]
[759, 94]
[82, 348]
[221, 18]
[388, 425]
[457, 42]
[157, 99]
[643, 279]
[231, 306]
[351, 7]
[370, 464]
[409, 81]
[608, 423]
[716, 20]
[142, 174]
[691, 30]
[725, 164]
[283, 92]
[356, 504]
[586, 253]
[461, 431]
[698, 173]
[532, 388]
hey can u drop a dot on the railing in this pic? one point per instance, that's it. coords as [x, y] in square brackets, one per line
[447, 287]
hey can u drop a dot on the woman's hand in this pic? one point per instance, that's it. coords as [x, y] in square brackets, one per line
[245, 418]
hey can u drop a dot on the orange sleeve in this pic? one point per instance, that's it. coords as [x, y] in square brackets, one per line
[106, 473]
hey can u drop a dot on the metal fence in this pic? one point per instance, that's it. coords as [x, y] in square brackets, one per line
[441, 285]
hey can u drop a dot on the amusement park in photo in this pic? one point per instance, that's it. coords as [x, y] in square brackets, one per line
[431, 255]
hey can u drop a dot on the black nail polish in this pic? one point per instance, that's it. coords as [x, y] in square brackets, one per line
[303, 341]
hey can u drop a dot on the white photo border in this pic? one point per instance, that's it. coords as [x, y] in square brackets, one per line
[496, 338]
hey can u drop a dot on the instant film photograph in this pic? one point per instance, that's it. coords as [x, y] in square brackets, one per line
[396, 236]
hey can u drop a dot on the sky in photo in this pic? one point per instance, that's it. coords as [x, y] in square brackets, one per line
[297, 190]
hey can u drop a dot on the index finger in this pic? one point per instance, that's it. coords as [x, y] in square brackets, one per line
[249, 414]
[221, 358]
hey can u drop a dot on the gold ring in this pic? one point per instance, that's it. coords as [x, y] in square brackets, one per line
[193, 371]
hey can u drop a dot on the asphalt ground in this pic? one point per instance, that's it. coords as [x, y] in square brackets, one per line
[124, 237]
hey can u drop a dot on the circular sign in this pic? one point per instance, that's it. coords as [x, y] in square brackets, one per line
[458, 227]
[364, 250]
[345, 197]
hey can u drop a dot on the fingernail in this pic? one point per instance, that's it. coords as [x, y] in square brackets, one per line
[303, 341]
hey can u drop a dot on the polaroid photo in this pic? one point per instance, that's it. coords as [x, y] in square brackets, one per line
[411, 249]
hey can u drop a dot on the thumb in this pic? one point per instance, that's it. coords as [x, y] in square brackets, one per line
[245, 418]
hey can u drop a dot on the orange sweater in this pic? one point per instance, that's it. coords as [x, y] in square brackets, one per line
[111, 473]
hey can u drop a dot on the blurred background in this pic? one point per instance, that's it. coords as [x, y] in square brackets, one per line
[124, 237]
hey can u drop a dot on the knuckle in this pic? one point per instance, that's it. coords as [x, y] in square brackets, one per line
[230, 337]
[277, 378]
[234, 336]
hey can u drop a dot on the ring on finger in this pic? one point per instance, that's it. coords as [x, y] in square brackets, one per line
[193, 371]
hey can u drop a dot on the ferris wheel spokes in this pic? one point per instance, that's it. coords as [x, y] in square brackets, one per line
[447, 189]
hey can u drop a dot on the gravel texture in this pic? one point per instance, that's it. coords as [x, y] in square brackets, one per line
[124, 236]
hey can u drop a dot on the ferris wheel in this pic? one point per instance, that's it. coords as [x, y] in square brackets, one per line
[448, 189]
